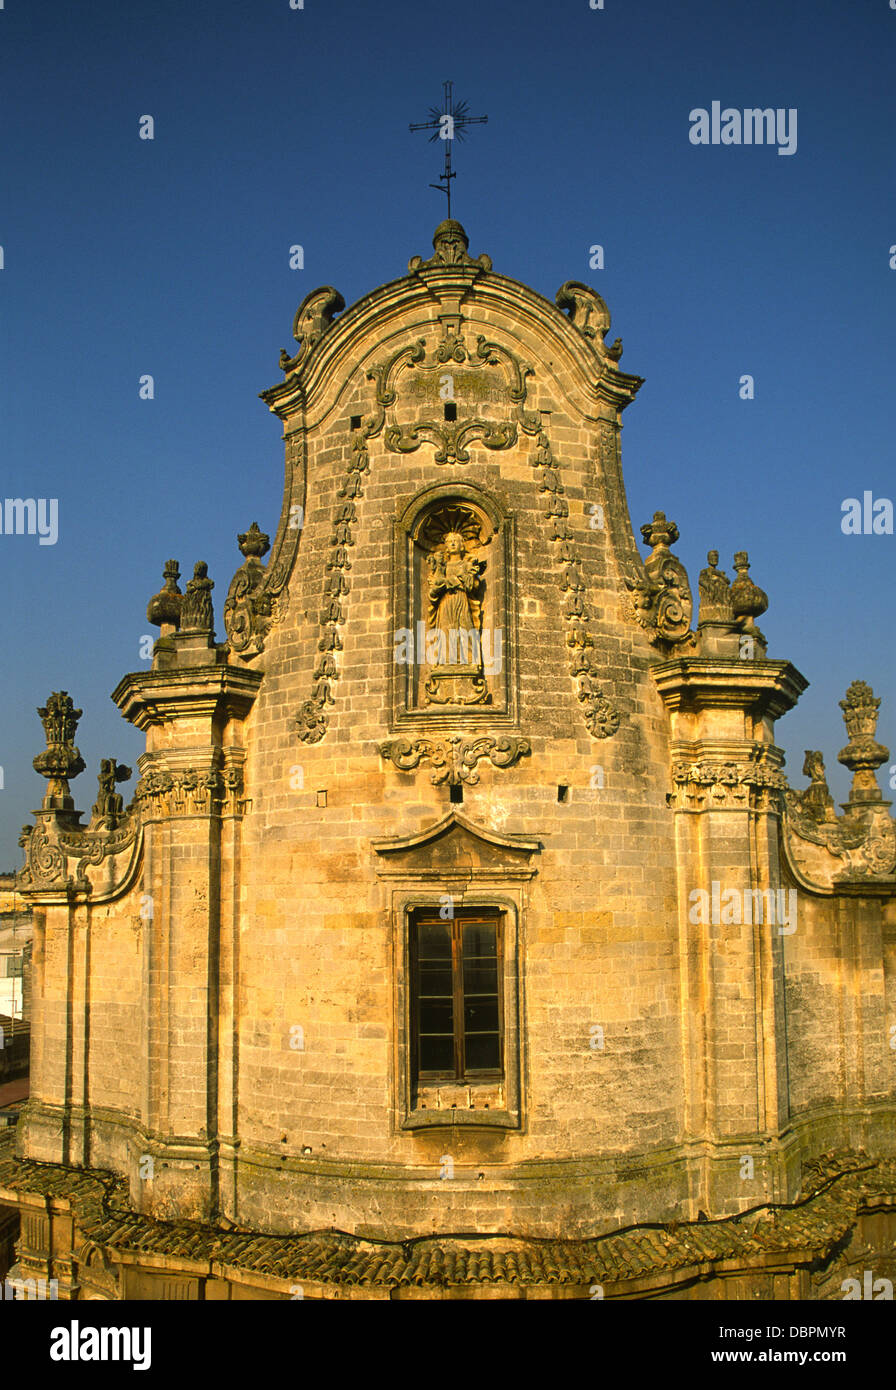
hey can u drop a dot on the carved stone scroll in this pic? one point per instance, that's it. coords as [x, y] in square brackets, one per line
[247, 608]
[313, 317]
[661, 594]
[451, 438]
[590, 315]
[454, 759]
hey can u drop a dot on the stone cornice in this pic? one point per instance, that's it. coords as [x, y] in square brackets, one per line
[698, 683]
[148, 698]
[430, 293]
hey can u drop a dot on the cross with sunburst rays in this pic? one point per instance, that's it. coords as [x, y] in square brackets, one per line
[448, 124]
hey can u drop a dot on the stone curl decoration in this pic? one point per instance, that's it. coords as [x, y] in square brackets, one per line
[451, 438]
[660, 594]
[454, 760]
[589, 314]
[248, 607]
[864, 839]
[313, 317]
[49, 846]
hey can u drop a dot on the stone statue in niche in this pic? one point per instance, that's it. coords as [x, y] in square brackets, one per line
[455, 580]
[452, 597]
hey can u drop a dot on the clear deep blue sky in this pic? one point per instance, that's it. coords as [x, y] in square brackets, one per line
[275, 126]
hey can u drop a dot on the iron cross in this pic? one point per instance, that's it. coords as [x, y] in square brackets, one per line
[448, 124]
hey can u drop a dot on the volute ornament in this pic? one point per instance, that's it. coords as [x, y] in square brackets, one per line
[661, 595]
[313, 317]
[247, 608]
[454, 760]
[589, 314]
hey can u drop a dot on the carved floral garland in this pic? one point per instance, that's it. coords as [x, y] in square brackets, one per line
[601, 716]
[312, 720]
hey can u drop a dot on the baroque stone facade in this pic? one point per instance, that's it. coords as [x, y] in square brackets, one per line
[462, 888]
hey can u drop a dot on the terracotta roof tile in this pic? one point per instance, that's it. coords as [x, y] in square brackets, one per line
[834, 1189]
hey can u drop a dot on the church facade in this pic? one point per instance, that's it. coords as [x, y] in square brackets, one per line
[464, 936]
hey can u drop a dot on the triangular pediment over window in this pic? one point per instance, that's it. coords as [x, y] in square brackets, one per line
[456, 844]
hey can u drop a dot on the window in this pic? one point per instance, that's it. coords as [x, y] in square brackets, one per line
[457, 996]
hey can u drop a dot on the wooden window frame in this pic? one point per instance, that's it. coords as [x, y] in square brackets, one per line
[461, 1075]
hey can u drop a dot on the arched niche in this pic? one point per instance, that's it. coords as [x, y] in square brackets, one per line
[454, 641]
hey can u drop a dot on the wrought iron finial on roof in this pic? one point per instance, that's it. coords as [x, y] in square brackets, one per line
[448, 123]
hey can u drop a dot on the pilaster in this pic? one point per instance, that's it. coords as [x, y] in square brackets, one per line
[735, 907]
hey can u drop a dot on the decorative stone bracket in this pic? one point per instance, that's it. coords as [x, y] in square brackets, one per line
[50, 847]
[827, 849]
[58, 837]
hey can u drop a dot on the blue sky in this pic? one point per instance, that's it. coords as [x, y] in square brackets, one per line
[276, 126]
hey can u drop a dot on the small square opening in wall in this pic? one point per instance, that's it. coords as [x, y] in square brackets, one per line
[321, 798]
[356, 422]
[456, 794]
[450, 411]
[562, 792]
